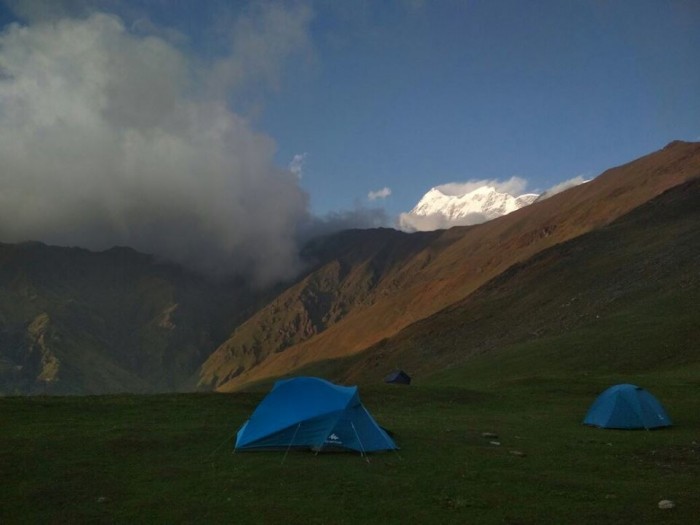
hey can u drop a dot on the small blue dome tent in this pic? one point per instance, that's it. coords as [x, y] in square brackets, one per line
[308, 412]
[627, 407]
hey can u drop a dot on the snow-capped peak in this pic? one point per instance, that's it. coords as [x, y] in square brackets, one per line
[438, 209]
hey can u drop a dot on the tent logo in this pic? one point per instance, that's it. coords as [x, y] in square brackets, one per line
[333, 437]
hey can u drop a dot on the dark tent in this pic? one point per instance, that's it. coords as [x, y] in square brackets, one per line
[398, 377]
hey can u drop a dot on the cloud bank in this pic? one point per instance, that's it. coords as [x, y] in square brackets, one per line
[108, 137]
[358, 218]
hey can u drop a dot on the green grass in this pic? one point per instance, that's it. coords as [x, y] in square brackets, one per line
[168, 458]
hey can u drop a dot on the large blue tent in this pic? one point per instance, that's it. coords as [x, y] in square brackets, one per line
[627, 407]
[308, 412]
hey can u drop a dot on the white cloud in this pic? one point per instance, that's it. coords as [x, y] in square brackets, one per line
[562, 186]
[379, 194]
[514, 186]
[264, 38]
[108, 138]
[357, 218]
[296, 165]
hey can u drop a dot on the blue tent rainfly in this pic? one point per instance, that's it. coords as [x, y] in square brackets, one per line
[627, 407]
[308, 412]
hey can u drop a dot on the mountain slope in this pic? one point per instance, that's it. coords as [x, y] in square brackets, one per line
[618, 299]
[74, 321]
[459, 261]
[349, 269]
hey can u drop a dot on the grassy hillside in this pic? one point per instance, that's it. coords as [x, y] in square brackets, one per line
[168, 459]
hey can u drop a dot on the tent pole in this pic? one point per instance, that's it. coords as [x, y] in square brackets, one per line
[290, 444]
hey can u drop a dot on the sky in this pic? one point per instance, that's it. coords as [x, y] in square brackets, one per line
[225, 133]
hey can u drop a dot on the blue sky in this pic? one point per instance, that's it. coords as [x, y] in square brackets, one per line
[409, 98]
[412, 94]
[402, 94]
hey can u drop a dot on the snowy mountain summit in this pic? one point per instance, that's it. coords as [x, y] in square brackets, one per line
[442, 208]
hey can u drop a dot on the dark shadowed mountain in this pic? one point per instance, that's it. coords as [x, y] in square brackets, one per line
[590, 261]
[74, 321]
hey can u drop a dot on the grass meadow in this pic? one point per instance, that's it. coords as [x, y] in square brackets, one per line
[169, 458]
